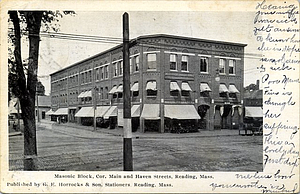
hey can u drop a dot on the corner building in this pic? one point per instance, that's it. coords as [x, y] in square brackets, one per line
[182, 81]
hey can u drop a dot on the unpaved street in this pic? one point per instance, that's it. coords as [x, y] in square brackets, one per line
[67, 147]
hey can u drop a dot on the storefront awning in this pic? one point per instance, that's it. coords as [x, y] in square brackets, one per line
[135, 111]
[88, 94]
[101, 110]
[222, 88]
[204, 87]
[85, 112]
[254, 111]
[113, 90]
[150, 112]
[135, 87]
[151, 85]
[120, 89]
[174, 86]
[112, 112]
[61, 111]
[232, 89]
[81, 95]
[50, 112]
[186, 87]
[181, 112]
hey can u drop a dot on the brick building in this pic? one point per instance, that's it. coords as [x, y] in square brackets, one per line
[173, 79]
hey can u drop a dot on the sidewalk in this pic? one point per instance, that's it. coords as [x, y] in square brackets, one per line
[151, 135]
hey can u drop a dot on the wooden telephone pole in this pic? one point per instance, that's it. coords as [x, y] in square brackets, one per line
[127, 141]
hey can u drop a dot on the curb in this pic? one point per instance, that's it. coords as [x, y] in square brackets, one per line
[14, 134]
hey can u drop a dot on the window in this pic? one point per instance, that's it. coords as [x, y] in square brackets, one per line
[204, 64]
[184, 63]
[90, 76]
[115, 68]
[222, 66]
[106, 71]
[173, 62]
[82, 77]
[135, 93]
[102, 73]
[130, 63]
[121, 68]
[231, 66]
[151, 61]
[137, 63]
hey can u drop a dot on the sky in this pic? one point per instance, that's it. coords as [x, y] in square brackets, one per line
[56, 54]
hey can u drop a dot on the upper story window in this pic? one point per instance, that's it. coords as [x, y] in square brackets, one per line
[131, 64]
[115, 68]
[137, 63]
[173, 62]
[232, 66]
[184, 63]
[102, 73]
[121, 68]
[204, 64]
[151, 61]
[106, 71]
[222, 66]
[90, 76]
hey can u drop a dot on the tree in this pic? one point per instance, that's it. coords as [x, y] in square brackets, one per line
[23, 77]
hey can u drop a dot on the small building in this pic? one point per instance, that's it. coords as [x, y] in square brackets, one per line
[42, 107]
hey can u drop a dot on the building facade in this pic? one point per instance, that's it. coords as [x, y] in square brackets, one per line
[173, 79]
[42, 106]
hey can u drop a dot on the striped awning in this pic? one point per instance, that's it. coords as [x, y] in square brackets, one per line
[81, 95]
[204, 87]
[113, 90]
[181, 112]
[150, 112]
[88, 94]
[186, 87]
[233, 89]
[135, 111]
[222, 88]
[101, 110]
[50, 112]
[111, 112]
[174, 86]
[119, 89]
[85, 112]
[61, 111]
[151, 85]
[135, 87]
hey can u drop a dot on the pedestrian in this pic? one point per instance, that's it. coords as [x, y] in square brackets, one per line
[14, 126]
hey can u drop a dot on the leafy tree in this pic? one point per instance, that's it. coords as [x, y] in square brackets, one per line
[23, 76]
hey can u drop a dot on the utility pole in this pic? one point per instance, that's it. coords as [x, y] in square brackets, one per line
[37, 106]
[127, 141]
[18, 107]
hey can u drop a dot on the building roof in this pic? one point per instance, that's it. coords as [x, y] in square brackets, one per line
[43, 101]
[138, 40]
[254, 94]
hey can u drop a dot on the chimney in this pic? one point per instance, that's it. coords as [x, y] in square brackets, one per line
[257, 84]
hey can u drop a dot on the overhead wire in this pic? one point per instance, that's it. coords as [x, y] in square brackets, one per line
[114, 40]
